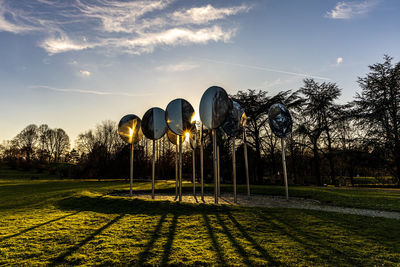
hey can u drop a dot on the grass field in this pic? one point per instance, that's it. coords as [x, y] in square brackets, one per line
[72, 222]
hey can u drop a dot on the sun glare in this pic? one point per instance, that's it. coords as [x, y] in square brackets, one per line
[187, 136]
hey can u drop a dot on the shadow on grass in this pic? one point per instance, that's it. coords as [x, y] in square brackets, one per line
[36, 226]
[376, 230]
[214, 241]
[133, 206]
[242, 252]
[110, 205]
[143, 256]
[61, 258]
[170, 240]
[311, 242]
[255, 244]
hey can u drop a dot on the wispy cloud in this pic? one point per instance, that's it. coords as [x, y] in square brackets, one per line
[179, 67]
[206, 14]
[304, 75]
[348, 10]
[60, 44]
[14, 21]
[81, 91]
[115, 25]
[85, 73]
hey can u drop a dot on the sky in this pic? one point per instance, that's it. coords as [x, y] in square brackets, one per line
[73, 64]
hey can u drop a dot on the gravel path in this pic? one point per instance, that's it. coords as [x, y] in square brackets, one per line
[272, 202]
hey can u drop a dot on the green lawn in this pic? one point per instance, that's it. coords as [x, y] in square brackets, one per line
[72, 222]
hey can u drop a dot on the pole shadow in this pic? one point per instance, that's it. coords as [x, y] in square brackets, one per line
[235, 243]
[146, 253]
[257, 246]
[71, 250]
[306, 243]
[226, 200]
[170, 240]
[214, 241]
[36, 226]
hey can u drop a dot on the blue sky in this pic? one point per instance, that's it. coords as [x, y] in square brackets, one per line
[72, 64]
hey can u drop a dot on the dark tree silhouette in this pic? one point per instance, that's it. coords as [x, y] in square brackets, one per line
[377, 110]
[318, 114]
[26, 140]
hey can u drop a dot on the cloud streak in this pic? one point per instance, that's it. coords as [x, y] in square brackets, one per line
[205, 14]
[267, 69]
[117, 26]
[179, 67]
[92, 92]
[349, 10]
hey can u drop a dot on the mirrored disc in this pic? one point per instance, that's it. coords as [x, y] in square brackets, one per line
[179, 115]
[214, 107]
[173, 137]
[235, 121]
[193, 138]
[154, 125]
[280, 120]
[129, 128]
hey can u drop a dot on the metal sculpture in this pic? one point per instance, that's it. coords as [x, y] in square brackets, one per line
[201, 162]
[233, 126]
[154, 127]
[129, 129]
[173, 138]
[179, 116]
[193, 145]
[214, 108]
[281, 123]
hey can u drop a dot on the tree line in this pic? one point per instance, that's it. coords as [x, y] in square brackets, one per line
[331, 143]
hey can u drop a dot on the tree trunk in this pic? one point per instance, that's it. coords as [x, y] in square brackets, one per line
[397, 162]
[317, 165]
[259, 166]
[330, 159]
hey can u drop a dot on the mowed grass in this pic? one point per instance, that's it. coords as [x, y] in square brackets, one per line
[73, 223]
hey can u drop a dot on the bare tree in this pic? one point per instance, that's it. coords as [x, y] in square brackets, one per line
[107, 136]
[85, 142]
[26, 140]
[42, 135]
[61, 144]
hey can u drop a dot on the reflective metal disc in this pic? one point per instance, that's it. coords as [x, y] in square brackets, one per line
[129, 128]
[214, 107]
[193, 138]
[154, 125]
[235, 121]
[179, 115]
[280, 120]
[173, 137]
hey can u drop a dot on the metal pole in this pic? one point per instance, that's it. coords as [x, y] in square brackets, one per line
[176, 166]
[246, 162]
[215, 166]
[284, 168]
[153, 169]
[201, 163]
[219, 176]
[131, 171]
[180, 168]
[234, 170]
[194, 172]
